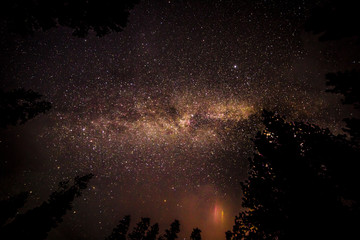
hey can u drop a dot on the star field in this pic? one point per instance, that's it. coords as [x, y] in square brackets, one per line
[163, 113]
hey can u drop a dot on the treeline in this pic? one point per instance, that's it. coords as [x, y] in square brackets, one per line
[143, 230]
[303, 184]
[37, 222]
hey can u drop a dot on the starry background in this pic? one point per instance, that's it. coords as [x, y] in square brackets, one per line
[163, 113]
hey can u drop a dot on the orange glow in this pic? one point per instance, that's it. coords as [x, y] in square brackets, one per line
[218, 213]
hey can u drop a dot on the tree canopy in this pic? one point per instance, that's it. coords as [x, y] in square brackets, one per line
[302, 182]
[143, 230]
[20, 105]
[334, 19]
[195, 234]
[102, 16]
[37, 222]
[347, 84]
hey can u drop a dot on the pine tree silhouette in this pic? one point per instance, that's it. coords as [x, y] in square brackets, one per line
[347, 84]
[37, 222]
[302, 182]
[19, 106]
[195, 234]
[153, 232]
[120, 231]
[171, 234]
[334, 19]
[143, 230]
[101, 16]
[10, 206]
[139, 232]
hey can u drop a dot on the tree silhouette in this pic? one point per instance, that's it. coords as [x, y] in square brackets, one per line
[348, 84]
[143, 230]
[37, 222]
[229, 234]
[241, 228]
[195, 234]
[171, 234]
[139, 232]
[120, 231]
[302, 182]
[153, 232]
[101, 16]
[10, 206]
[335, 19]
[19, 106]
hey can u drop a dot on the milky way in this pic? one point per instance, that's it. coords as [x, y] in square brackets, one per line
[163, 113]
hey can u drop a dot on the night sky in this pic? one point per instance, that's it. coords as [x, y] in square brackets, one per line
[163, 112]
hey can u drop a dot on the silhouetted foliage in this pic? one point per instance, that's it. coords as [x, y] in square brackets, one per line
[171, 234]
[195, 234]
[228, 235]
[335, 19]
[140, 230]
[37, 222]
[153, 232]
[302, 182]
[348, 84]
[9, 207]
[19, 106]
[241, 228]
[101, 16]
[120, 231]
[353, 128]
